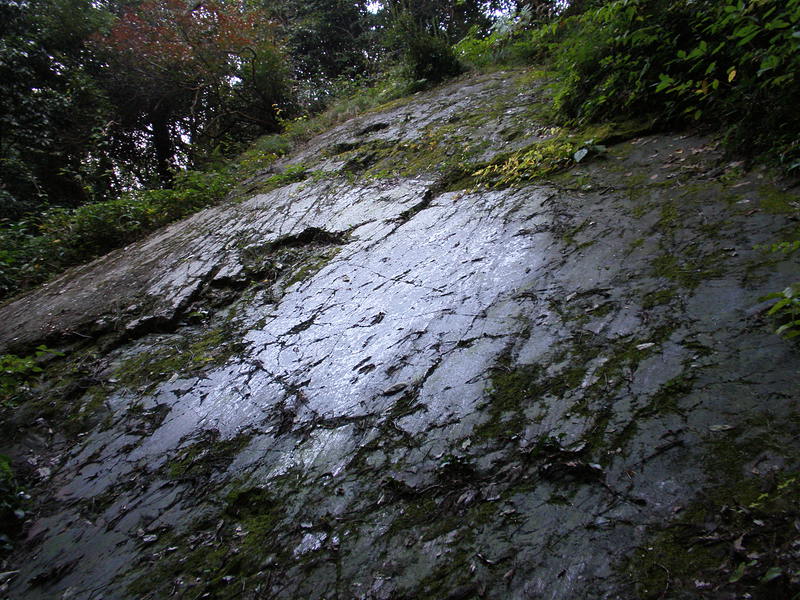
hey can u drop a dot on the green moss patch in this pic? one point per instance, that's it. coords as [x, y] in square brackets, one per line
[775, 201]
[228, 552]
[740, 543]
[65, 390]
[738, 537]
[200, 460]
[689, 270]
[182, 355]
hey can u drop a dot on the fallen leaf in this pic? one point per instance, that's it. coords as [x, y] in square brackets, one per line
[580, 154]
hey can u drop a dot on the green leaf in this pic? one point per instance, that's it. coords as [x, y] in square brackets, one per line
[664, 83]
[777, 24]
[773, 573]
[778, 305]
[738, 573]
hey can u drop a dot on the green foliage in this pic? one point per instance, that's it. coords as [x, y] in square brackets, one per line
[16, 372]
[512, 40]
[534, 162]
[429, 59]
[327, 39]
[474, 50]
[731, 65]
[11, 505]
[449, 18]
[32, 252]
[426, 57]
[52, 111]
[787, 303]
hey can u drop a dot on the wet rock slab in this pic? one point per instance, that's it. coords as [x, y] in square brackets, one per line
[431, 394]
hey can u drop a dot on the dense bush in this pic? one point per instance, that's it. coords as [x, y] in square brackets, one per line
[426, 57]
[786, 308]
[513, 39]
[31, 252]
[729, 64]
[429, 59]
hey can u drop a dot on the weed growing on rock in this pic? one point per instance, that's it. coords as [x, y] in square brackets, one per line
[786, 308]
[17, 371]
[526, 165]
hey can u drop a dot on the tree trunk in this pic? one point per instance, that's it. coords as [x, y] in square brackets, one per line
[162, 146]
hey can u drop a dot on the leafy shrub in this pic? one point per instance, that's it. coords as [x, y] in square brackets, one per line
[511, 40]
[32, 252]
[429, 59]
[719, 62]
[475, 50]
[787, 309]
[604, 60]
[426, 57]
[16, 372]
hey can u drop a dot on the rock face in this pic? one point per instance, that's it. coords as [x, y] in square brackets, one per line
[381, 383]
